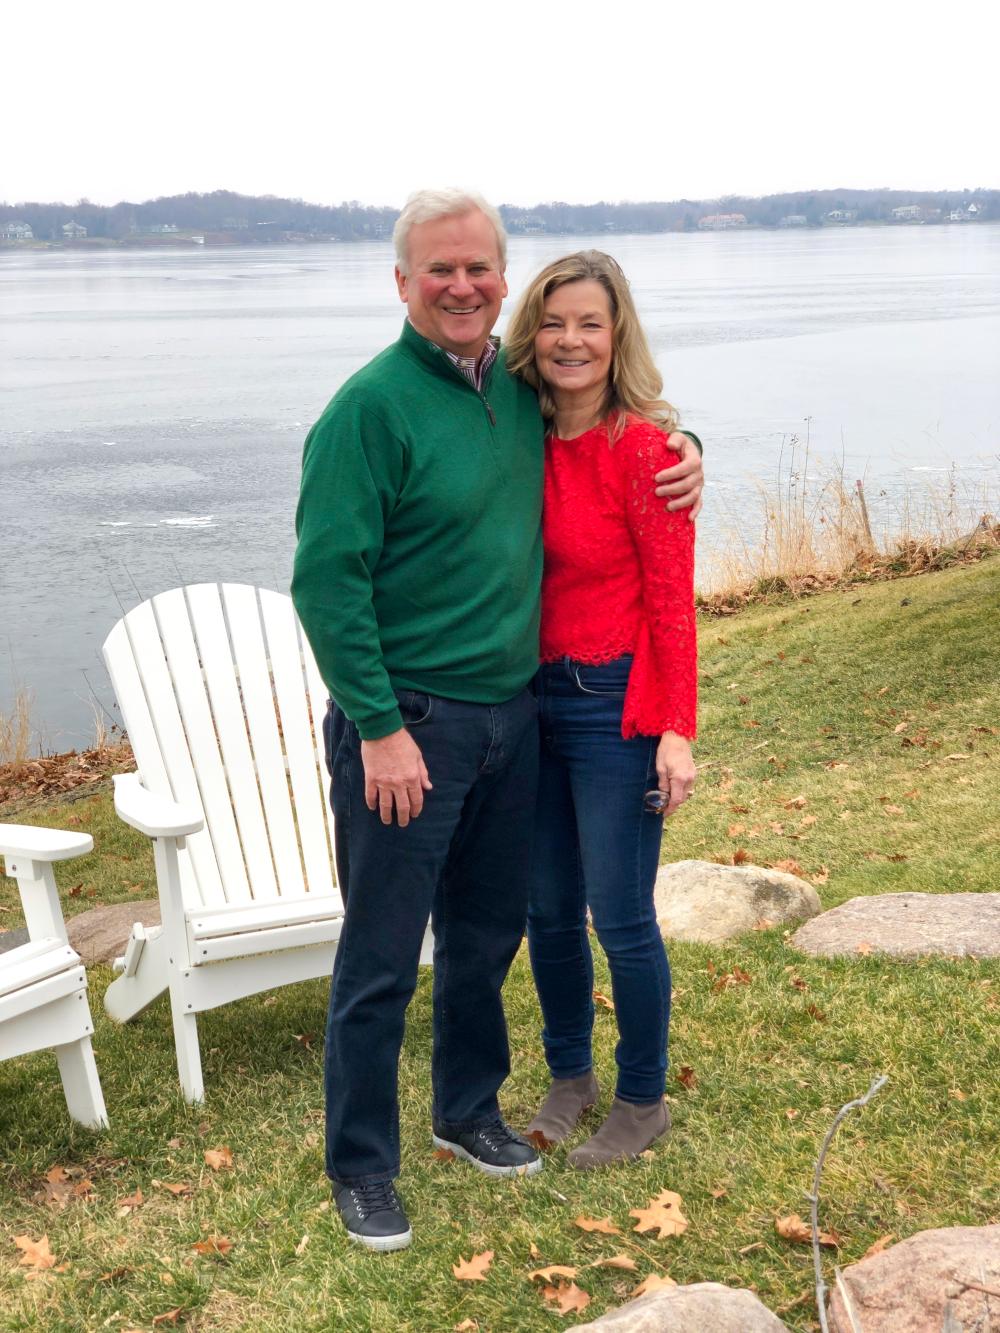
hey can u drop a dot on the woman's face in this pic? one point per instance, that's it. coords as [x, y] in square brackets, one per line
[574, 343]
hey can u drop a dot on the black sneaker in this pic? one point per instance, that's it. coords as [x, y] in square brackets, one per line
[493, 1148]
[373, 1215]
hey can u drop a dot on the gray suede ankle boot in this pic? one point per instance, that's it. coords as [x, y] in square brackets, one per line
[628, 1131]
[566, 1102]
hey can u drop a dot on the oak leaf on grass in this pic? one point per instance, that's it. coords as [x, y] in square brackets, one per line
[130, 1203]
[795, 1229]
[655, 1282]
[35, 1253]
[616, 1261]
[687, 1078]
[443, 1155]
[662, 1214]
[553, 1270]
[474, 1269]
[603, 1001]
[602, 1224]
[219, 1159]
[881, 1244]
[568, 1298]
[213, 1245]
[168, 1316]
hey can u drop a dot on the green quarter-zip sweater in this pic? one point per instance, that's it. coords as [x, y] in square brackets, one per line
[419, 557]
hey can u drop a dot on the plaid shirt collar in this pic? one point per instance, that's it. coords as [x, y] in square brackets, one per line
[473, 370]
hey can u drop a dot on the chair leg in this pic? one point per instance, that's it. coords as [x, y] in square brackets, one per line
[78, 1070]
[188, 1052]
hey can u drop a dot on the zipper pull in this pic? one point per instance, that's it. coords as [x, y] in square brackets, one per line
[489, 412]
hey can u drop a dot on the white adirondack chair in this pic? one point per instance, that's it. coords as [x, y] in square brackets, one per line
[43, 984]
[223, 705]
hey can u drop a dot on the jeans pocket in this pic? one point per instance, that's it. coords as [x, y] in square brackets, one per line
[415, 706]
[609, 680]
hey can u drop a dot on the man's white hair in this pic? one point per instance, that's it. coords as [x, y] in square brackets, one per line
[426, 205]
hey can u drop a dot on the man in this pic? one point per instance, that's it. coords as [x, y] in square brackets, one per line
[417, 581]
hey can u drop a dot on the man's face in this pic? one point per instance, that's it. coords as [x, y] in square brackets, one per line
[455, 284]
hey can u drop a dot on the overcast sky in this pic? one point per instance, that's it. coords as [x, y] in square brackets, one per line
[526, 100]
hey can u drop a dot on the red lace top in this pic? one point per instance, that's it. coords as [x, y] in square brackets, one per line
[619, 572]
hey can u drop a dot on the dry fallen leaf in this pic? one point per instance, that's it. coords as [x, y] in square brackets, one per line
[821, 876]
[539, 1140]
[180, 1189]
[881, 1244]
[740, 856]
[130, 1203]
[553, 1270]
[719, 1192]
[474, 1269]
[168, 1316]
[534, 1251]
[35, 1253]
[662, 1214]
[796, 803]
[602, 1224]
[790, 866]
[655, 1282]
[736, 829]
[864, 948]
[466, 1326]
[219, 1159]
[443, 1155]
[301, 1247]
[687, 1077]
[615, 1261]
[799, 983]
[603, 1001]
[956, 756]
[213, 1245]
[893, 810]
[958, 1094]
[567, 1297]
[793, 1228]
[737, 977]
[814, 1012]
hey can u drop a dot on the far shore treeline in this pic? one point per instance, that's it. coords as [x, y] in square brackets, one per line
[223, 217]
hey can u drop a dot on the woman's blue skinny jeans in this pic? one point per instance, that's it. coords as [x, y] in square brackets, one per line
[597, 846]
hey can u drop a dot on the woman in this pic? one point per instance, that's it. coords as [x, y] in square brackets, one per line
[616, 694]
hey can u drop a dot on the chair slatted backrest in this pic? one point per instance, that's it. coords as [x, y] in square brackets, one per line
[223, 705]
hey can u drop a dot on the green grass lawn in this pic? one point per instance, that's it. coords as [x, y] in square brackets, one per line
[857, 701]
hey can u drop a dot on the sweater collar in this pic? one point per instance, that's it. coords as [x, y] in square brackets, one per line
[415, 344]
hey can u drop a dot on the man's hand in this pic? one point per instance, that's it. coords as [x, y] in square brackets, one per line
[684, 481]
[395, 772]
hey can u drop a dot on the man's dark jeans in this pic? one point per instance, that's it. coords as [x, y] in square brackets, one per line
[465, 862]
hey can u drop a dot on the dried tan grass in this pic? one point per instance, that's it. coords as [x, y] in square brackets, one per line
[16, 731]
[814, 529]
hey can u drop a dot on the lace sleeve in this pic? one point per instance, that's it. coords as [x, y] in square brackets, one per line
[663, 684]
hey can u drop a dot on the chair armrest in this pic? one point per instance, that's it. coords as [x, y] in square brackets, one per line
[42, 844]
[156, 816]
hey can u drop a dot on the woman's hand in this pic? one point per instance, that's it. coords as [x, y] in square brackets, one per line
[682, 484]
[675, 769]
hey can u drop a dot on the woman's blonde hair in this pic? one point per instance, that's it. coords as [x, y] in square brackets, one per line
[634, 385]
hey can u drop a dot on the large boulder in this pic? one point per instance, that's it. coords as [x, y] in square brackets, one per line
[100, 935]
[918, 1286]
[698, 1308]
[907, 925]
[708, 903]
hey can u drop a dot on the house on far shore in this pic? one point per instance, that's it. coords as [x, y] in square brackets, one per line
[722, 221]
[794, 220]
[162, 228]
[16, 231]
[966, 213]
[72, 231]
[839, 217]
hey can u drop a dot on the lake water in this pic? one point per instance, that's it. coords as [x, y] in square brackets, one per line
[154, 402]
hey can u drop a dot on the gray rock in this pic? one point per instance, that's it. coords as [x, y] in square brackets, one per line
[100, 935]
[916, 1286]
[13, 939]
[709, 903]
[907, 925]
[702, 1307]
